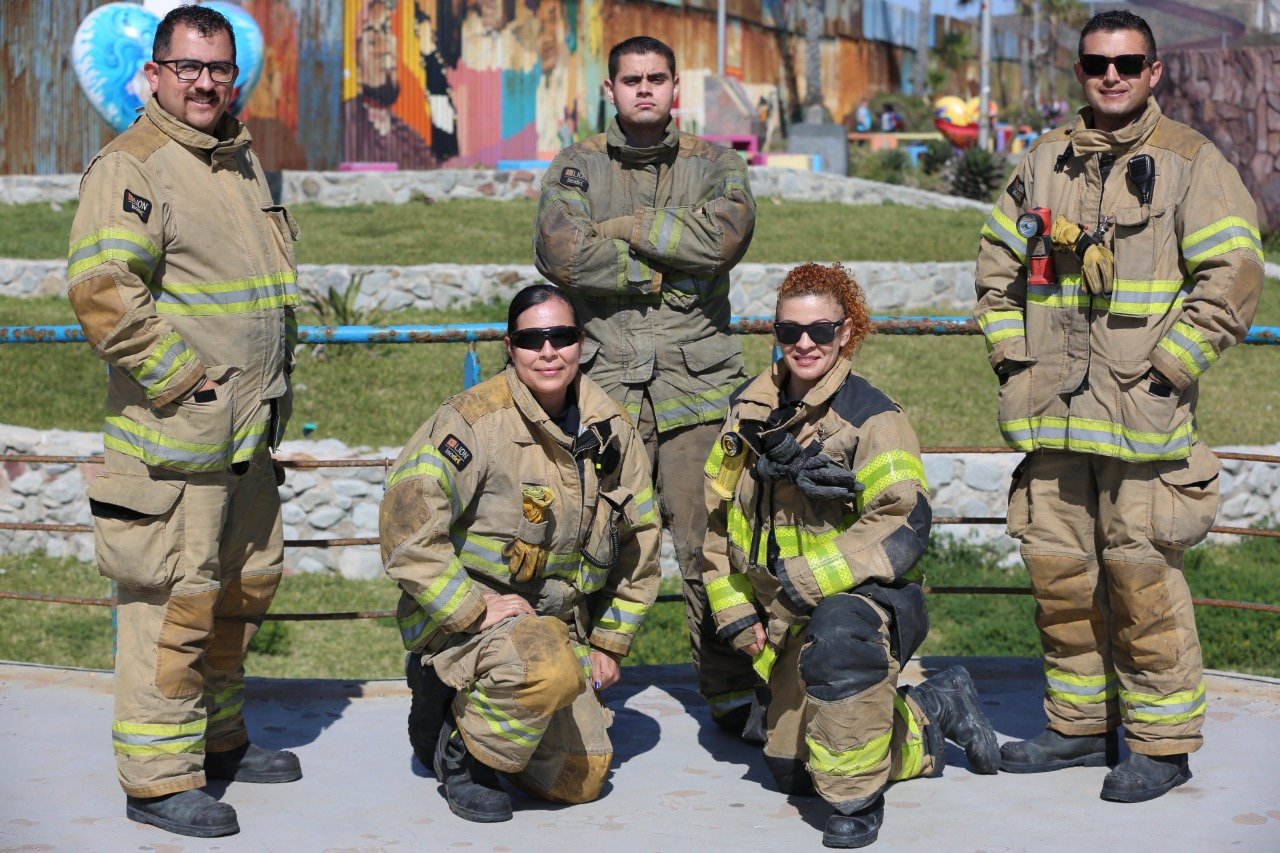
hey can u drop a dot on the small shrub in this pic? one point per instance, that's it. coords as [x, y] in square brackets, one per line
[935, 156]
[978, 174]
[340, 309]
[272, 639]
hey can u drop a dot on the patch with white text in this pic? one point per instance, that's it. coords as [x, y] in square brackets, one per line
[456, 452]
[134, 203]
[573, 178]
[1017, 191]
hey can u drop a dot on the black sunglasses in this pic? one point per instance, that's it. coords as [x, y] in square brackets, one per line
[533, 339]
[1127, 64]
[820, 332]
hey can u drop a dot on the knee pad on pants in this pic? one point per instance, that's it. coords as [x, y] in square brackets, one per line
[553, 675]
[845, 652]
[578, 779]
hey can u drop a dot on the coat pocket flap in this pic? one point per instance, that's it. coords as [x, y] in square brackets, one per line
[141, 494]
[707, 353]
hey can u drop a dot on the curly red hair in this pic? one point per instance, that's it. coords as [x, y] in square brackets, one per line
[838, 284]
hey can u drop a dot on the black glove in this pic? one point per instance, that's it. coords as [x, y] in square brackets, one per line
[820, 476]
[779, 459]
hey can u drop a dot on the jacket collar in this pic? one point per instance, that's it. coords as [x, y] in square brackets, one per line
[231, 136]
[621, 150]
[1089, 140]
[594, 405]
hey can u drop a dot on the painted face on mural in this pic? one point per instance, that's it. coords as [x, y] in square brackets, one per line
[643, 93]
[197, 103]
[376, 54]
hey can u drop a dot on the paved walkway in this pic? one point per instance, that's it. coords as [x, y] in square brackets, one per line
[676, 785]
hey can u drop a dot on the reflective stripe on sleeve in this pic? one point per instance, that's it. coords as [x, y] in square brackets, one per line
[1001, 229]
[1185, 343]
[438, 601]
[666, 230]
[646, 510]
[1225, 235]
[428, 462]
[167, 358]
[885, 469]
[730, 591]
[999, 326]
[622, 617]
[138, 253]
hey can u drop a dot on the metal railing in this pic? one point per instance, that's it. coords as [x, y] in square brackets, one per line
[477, 332]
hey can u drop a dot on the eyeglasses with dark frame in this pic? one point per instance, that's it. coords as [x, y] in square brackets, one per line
[534, 339]
[820, 331]
[1127, 64]
[189, 70]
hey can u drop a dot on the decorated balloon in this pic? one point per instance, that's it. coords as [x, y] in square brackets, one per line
[113, 42]
[110, 47]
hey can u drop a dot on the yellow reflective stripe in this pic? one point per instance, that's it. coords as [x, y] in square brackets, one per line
[167, 358]
[228, 297]
[885, 469]
[584, 660]
[791, 541]
[622, 617]
[1188, 345]
[1079, 689]
[911, 751]
[723, 703]
[428, 462]
[1173, 709]
[114, 244]
[501, 723]
[438, 601]
[666, 230]
[830, 569]
[999, 326]
[763, 662]
[646, 509]
[572, 198]
[850, 762]
[730, 591]
[154, 448]
[1101, 437]
[1002, 229]
[688, 409]
[1225, 235]
[145, 739]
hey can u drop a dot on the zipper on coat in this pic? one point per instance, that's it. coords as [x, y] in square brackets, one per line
[1105, 163]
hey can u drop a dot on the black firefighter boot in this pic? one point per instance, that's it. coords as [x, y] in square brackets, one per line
[192, 813]
[471, 786]
[428, 707]
[1050, 750]
[858, 828]
[250, 763]
[1145, 777]
[950, 701]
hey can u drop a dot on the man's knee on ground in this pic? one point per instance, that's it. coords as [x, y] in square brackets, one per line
[552, 673]
[845, 651]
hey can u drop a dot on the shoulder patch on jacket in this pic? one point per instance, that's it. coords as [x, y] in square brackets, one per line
[134, 203]
[140, 140]
[858, 401]
[572, 177]
[1177, 137]
[455, 451]
[489, 396]
[1017, 191]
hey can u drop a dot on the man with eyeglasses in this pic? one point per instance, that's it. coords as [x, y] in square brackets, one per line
[181, 271]
[1120, 262]
[641, 225]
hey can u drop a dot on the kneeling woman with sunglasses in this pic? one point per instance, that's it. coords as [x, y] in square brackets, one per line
[818, 515]
[519, 523]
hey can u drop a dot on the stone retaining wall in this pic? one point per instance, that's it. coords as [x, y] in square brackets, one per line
[890, 286]
[342, 189]
[343, 502]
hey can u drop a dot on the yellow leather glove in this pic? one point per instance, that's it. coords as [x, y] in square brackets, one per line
[527, 559]
[1097, 263]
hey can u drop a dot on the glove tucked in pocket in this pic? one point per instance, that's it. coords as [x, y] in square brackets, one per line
[527, 554]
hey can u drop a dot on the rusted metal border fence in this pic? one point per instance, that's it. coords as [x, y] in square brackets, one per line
[476, 332]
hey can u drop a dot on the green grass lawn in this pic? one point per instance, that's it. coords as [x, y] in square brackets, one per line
[72, 635]
[501, 232]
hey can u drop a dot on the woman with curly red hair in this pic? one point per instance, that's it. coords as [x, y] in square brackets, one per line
[818, 514]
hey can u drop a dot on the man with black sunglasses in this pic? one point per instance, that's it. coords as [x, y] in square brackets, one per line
[641, 225]
[181, 271]
[1120, 262]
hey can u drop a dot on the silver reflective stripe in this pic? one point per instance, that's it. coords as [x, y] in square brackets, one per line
[1221, 237]
[1191, 347]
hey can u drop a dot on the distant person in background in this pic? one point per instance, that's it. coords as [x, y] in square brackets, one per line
[890, 119]
[862, 117]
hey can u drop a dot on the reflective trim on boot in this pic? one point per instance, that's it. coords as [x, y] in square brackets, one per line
[859, 829]
[470, 786]
[1052, 751]
[192, 813]
[250, 763]
[1145, 777]
[950, 702]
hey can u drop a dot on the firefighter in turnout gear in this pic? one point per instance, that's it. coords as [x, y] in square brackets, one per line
[1098, 374]
[514, 618]
[181, 272]
[641, 225]
[819, 513]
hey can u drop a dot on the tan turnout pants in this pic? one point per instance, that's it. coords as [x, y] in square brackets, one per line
[854, 730]
[1103, 540]
[725, 677]
[524, 706]
[197, 558]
